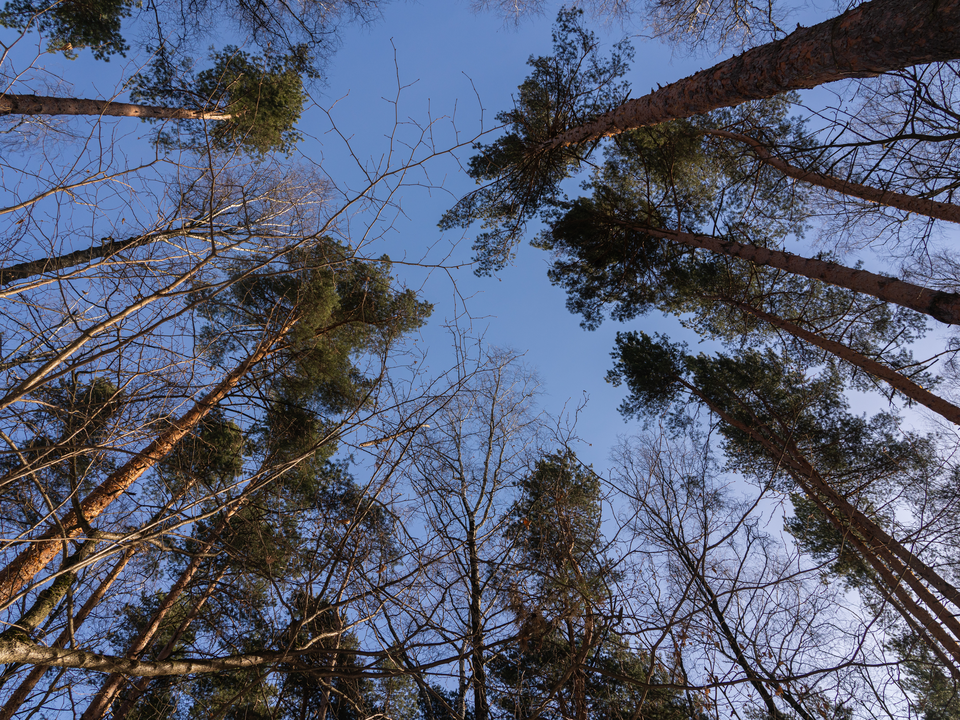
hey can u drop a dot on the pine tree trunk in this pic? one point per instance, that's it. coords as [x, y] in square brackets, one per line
[131, 698]
[44, 105]
[894, 379]
[900, 201]
[873, 38]
[889, 558]
[46, 547]
[942, 306]
[135, 649]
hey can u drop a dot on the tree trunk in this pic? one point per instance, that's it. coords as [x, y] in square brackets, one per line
[892, 561]
[43, 105]
[45, 547]
[31, 268]
[873, 38]
[942, 306]
[907, 203]
[121, 712]
[894, 379]
[481, 709]
[115, 682]
[20, 694]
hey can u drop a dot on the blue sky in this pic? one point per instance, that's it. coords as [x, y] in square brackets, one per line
[463, 65]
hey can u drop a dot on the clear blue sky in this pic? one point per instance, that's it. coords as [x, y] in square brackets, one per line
[457, 62]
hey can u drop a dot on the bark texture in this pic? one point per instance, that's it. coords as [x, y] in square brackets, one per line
[900, 201]
[44, 548]
[942, 306]
[896, 566]
[44, 105]
[23, 691]
[31, 268]
[894, 379]
[873, 38]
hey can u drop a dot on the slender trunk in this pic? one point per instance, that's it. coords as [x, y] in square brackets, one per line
[892, 581]
[140, 687]
[481, 709]
[900, 201]
[14, 650]
[873, 38]
[115, 682]
[44, 105]
[45, 603]
[47, 600]
[44, 548]
[31, 268]
[894, 379]
[20, 694]
[728, 635]
[942, 306]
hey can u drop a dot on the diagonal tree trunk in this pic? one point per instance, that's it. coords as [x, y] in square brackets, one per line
[44, 105]
[44, 548]
[898, 381]
[120, 713]
[31, 268]
[115, 682]
[873, 38]
[942, 306]
[20, 694]
[900, 201]
[894, 564]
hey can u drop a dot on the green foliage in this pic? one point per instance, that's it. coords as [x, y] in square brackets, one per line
[344, 308]
[776, 398]
[65, 445]
[264, 98]
[556, 526]
[211, 455]
[73, 25]
[936, 695]
[563, 90]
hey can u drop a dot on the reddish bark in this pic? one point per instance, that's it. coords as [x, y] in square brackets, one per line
[21, 693]
[896, 380]
[907, 203]
[873, 38]
[895, 565]
[45, 548]
[942, 306]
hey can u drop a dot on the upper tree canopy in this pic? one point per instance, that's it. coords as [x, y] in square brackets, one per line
[522, 171]
[261, 98]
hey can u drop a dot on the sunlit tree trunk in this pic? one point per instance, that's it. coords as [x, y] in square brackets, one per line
[43, 105]
[136, 648]
[44, 548]
[23, 691]
[873, 38]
